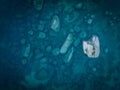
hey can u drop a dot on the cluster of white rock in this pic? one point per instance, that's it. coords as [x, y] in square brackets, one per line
[91, 47]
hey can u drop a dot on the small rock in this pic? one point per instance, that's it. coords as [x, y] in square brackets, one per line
[79, 5]
[94, 69]
[27, 51]
[82, 34]
[89, 21]
[76, 43]
[43, 60]
[22, 41]
[106, 50]
[42, 35]
[55, 62]
[38, 4]
[56, 51]
[38, 56]
[92, 16]
[24, 61]
[30, 32]
[41, 27]
[49, 48]
[55, 26]
[77, 28]
[71, 30]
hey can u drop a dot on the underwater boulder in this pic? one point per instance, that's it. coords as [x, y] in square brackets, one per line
[66, 44]
[92, 47]
[55, 23]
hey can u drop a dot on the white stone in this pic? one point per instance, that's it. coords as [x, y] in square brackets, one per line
[92, 47]
[69, 55]
[55, 23]
[66, 44]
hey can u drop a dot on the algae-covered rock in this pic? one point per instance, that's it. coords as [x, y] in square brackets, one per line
[27, 50]
[49, 48]
[42, 35]
[90, 21]
[79, 5]
[69, 55]
[56, 51]
[77, 42]
[30, 32]
[22, 41]
[38, 4]
[83, 34]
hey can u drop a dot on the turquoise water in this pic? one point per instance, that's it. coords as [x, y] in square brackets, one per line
[30, 57]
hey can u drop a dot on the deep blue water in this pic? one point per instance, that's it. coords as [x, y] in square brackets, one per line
[23, 25]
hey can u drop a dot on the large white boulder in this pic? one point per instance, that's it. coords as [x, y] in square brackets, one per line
[92, 47]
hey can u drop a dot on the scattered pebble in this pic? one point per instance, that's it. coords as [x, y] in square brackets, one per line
[27, 51]
[76, 43]
[92, 16]
[108, 13]
[49, 48]
[83, 34]
[94, 69]
[56, 51]
[38, 56]
[24, 61]
[106, 50]
[79, 5]
[77, 28]
[30, 32]
[38, 4]
[71, 30]
[42, 35]
[43, 60]
[89, 21]
[41, 27]
[22, 41]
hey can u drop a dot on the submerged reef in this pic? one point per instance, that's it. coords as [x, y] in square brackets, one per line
[59, 45]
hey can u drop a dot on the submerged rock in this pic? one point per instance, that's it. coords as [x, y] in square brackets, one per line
[43, 60]
[22, 41]
[69, 55]
[49, 48]
[90, 21]
[77, 42]
[83, 34]
[30, 32]
[66, 44]
[56, 51]
[78, 5]
[55, 23]
[27, 51]
[42, 35]
[38, 4]
[92, 47]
